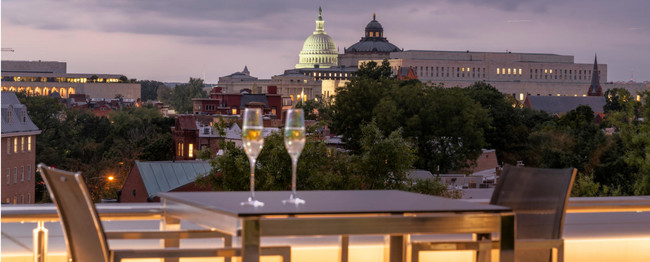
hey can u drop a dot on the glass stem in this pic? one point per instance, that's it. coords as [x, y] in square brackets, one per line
[252, 161]
[294, 166]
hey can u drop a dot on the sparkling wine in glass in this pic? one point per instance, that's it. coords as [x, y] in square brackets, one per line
[253, 140]
[294, 142]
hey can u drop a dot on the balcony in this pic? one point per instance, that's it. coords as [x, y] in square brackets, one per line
[595, 229]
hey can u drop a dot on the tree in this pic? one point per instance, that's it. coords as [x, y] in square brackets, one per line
[181, 95]
[149, 89]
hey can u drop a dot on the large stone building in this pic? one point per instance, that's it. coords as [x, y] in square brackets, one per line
[47, 77]
[292, 86]
[518, 74]
[18, 152]
[372, 46]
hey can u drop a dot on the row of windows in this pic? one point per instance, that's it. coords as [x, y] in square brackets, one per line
[44, 91]
[442, 71]
[22, 174]
[330, 74]
[560, 74]
[22, 199]
[24, 143]
[59, 79]
[509, 71]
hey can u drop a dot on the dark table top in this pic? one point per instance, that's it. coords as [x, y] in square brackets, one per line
[327, 202]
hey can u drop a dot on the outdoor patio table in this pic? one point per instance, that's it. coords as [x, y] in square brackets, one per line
[353, 212]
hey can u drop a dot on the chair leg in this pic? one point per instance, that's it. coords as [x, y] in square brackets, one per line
[415, 254]
[345, 244]
[560, 252]
[484, 250]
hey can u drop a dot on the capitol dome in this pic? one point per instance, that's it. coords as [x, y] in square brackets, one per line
[374, 41]
[319, 49]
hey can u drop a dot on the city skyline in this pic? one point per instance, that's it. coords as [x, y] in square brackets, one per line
[174, 40]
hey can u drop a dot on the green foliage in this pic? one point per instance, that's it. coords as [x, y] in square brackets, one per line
[75, 139]
[445, 124]
[149, 89]
[382, 165]
[180, 97]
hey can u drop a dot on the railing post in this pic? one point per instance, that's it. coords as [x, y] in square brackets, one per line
[40, 242]
[170, 223]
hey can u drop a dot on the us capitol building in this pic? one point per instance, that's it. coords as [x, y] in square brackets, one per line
[321, 69]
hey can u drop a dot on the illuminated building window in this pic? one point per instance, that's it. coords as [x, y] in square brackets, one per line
[8, 145]
[638, 98]
[234, 110]
[498, 71]
[15, 145]
[190, 149]
[508, 70]
[521, 96]
[291, 97]
[558, 94]
[22, 144]
[545, 71]
[519, 71]
[551, 71]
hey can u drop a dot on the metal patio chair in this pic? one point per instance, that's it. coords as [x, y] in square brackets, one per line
[538, 197]
[87, 241]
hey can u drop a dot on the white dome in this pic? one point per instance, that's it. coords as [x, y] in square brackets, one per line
[319, 49]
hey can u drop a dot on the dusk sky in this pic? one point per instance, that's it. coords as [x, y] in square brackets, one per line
[171, 41]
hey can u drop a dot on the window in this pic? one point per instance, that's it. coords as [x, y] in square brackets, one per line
[29, 198]
[519, 71]
[234, 110]
[29, 172]
[182, 149]
[15, 144]
[22, 144]
[22, 199]
[15, 175]
[29, 143]
[190, 149]
[498, 71]
[274, 110]
[22, 174]
[8, 145]
[8, 176]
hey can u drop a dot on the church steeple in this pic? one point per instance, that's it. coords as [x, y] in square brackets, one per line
[595, 89]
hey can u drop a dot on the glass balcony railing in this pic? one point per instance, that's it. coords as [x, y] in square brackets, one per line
[595, 229]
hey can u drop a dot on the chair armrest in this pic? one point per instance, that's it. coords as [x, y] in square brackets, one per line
[170, 234]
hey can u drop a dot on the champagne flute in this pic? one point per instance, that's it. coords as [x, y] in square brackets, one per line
[294, 141]
[253, 141]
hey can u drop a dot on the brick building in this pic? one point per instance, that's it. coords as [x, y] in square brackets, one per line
[234, 103]
[18, 151]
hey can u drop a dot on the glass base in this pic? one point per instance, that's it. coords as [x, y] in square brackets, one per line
[293, 200]
[252, 202]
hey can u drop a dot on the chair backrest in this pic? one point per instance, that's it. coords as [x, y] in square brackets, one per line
[82, 228]
[538, 197]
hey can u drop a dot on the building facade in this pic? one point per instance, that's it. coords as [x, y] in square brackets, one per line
[18, 152]
[517, 74]
[47, 77]
[289, 86]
